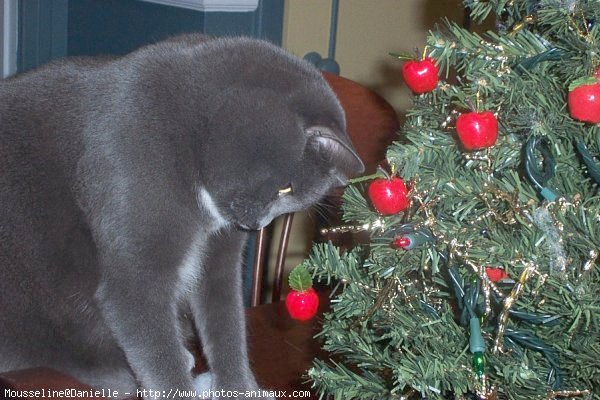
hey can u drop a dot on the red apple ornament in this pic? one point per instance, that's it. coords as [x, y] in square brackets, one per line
[388, 196]
[495, 274]
[584, 99]
[477, 131]
[402, 242]
[301, 302]
[420, 76]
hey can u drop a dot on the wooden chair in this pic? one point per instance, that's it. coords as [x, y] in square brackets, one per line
[372, 125]
[281, 349]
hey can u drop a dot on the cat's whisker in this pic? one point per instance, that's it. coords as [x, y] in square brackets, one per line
[324, 211]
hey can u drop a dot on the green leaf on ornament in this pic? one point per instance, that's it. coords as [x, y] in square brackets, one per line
[588, 80]
[300, 279]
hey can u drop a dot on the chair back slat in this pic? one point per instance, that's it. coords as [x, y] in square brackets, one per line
[262, 241]
[281, 253]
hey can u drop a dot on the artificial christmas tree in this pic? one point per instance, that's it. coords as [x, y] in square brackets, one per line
[487, 286]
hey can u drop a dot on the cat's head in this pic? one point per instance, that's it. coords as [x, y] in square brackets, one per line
[263, 178]
[277, 141]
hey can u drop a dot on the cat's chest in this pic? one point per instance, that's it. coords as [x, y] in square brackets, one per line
[191, 265]
[211, 214]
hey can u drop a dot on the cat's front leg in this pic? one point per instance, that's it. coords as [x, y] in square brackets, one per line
[138, 298]
[219, 315]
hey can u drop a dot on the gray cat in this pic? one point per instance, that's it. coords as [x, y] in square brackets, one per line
[128, 186]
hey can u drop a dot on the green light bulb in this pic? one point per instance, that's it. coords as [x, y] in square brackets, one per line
[479, 363]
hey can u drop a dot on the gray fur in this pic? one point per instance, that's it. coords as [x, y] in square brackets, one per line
[128, 185]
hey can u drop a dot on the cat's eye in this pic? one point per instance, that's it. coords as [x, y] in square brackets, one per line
[286, 190]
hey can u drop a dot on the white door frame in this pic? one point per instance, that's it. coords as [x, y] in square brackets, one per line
[9, 34]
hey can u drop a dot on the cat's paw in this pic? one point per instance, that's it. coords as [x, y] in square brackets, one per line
[203, 383]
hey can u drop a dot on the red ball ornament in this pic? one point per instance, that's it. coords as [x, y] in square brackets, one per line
[584, 103]
[388, 196]
[420, 76]
[495, 274]
[477, 131]
[302, 305]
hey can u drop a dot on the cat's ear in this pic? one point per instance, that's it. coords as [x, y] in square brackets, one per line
[335, 150]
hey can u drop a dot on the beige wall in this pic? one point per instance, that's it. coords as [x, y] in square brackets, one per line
[367, 31]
